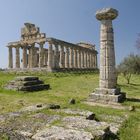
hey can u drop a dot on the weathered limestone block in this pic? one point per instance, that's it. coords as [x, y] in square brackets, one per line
[60, 133]
[27, 83]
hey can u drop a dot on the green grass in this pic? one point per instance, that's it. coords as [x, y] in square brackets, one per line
[65, 86]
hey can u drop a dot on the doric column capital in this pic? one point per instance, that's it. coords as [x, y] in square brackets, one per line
[106, 14]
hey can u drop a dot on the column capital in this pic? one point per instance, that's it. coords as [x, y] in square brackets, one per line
[106, 14]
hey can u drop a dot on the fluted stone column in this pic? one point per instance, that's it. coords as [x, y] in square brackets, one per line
[107, 91]
[67, 58]
[91, 60]
[71, 58]
[56, 57]
[50, 57]
[79, 58]
[92, 57]
[31, 56]
[94, 63]
[17, 57]
[82, 58]
[24, 57]
[10, 57]
[41, 55]
[85, 65]
[75, 58]
[36, 62]
[62, 57]
[45, 57]
[88, 59]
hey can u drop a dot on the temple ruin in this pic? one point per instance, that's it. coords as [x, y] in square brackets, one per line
[39, 51]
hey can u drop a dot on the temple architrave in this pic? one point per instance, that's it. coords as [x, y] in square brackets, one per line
[35, 50]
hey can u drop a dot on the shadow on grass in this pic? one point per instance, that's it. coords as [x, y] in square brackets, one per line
[130, 86]
[133, 100]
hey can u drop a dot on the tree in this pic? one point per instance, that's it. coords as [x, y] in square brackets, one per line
[130, 65]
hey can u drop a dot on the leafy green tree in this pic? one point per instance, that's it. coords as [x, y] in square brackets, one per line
[130, 65]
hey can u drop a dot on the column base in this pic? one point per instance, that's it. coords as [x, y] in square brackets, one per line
[107, 96]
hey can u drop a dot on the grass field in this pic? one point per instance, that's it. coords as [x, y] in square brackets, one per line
[65, 86]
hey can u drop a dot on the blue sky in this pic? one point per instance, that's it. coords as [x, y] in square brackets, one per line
[69, 20]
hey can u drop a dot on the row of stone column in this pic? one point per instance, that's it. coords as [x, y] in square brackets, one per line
[31, 56]
[55, 57]
[70, 57]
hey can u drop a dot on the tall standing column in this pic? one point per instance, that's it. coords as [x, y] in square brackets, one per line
[85, 59]
[107, 91]
[17, 57]
[71, 58]
[10, 57]
[75, 58]
[45, 57]
[67, 58]
[79, 58]
[24, 57]
[88, 59]
[56, 57]
[31, 56]
[82, 58]
[41, 55]
[50, 57]
[61, 56]
[107, 55]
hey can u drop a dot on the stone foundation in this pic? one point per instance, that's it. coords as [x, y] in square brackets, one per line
[27, 83]
[107, 96]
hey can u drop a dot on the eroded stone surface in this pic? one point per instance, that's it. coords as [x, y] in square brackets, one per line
[27, 124]
[107, 91]
[76, 112]
[60, 133]
[27, 83]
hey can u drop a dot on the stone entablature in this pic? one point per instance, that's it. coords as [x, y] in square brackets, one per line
[59, 54]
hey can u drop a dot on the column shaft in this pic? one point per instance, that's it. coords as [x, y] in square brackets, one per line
[17, 57]
[10, 57]
[82, 59]
[79, 58]
[24, 57]
[75, 58]
[41, 55]
[31, 57]
[62, 57]
[56, 57]
[50, 53]
[67, 58]
[107, 55]
[71, 58]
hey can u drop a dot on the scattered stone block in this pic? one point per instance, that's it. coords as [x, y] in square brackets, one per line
[39, 105]
[60, 133]
[91, 117]
[53, 106]
[131, 108]
[72, 101]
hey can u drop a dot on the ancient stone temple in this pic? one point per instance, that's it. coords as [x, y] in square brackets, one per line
[35, 50]
[107, 91]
